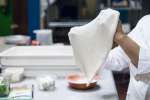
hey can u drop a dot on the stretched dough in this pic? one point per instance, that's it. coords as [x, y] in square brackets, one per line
[92, 42]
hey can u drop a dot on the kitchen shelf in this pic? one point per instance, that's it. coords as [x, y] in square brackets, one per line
[127, 8]
[66, 24]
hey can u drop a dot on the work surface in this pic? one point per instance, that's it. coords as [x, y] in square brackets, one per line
[105, 90]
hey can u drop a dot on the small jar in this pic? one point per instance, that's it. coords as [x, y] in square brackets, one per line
[4, 88]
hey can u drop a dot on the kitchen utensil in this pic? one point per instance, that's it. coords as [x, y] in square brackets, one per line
[78, 81]
[17, 40]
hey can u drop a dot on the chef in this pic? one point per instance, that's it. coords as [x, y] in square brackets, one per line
[133, 52]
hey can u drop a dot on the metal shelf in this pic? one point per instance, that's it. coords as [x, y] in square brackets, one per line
[66, 24]
[127, 8]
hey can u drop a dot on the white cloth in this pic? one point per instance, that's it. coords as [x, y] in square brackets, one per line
[92, 42]
[118, 60]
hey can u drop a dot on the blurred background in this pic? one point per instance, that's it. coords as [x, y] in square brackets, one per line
[23, 17]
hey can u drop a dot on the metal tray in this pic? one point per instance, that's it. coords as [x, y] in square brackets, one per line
[37, 60]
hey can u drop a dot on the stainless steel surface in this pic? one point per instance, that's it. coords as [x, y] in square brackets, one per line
[105, 91]
[4, 47]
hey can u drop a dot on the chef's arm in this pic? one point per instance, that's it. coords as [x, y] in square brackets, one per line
[130, 47]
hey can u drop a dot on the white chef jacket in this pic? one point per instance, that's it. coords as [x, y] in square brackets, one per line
[117, 60]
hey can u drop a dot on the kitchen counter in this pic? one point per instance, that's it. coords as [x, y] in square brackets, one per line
[105, 90]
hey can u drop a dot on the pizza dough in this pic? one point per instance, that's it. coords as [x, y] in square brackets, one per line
[92, 42]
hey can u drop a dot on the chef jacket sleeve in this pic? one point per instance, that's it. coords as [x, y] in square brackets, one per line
[117, 60]
[144, 61]
[143, 68]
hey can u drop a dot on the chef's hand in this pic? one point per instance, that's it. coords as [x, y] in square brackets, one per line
[130, 47]
[119, 33]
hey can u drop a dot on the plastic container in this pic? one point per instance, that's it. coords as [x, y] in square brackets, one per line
[44, 36]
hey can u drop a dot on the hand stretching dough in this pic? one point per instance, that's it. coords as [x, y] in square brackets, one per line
[92, 42]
